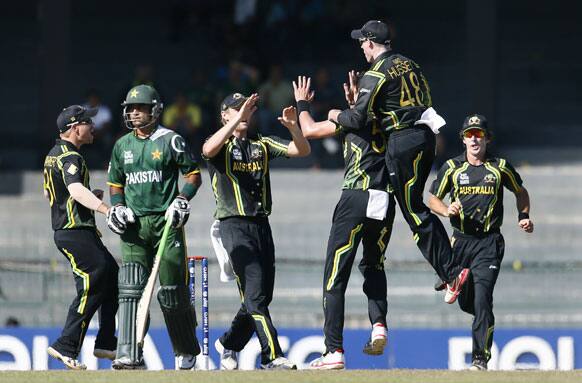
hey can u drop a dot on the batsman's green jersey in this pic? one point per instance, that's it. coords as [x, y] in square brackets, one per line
[148, 169]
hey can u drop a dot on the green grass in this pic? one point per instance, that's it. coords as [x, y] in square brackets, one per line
[365, 376]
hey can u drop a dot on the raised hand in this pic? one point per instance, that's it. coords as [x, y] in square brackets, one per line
[288, 117]
[248, 108]
[302, 89]
[351, 88]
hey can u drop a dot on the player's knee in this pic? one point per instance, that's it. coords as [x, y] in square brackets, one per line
[172, 298]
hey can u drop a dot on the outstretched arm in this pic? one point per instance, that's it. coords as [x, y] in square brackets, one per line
[310, 128]
[215, 143]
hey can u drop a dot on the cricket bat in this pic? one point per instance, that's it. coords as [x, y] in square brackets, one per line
[146, 297]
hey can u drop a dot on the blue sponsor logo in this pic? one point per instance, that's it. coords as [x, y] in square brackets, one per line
[25, 349]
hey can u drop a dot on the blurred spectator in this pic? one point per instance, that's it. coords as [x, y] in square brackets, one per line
[238, 77]
[200, 93]
[185, 118]
[275, 94]
[102, 120]
[244, 10]
[97, 154]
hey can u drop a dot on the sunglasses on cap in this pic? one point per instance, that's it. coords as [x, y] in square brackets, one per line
[82, 122]
[470, 133]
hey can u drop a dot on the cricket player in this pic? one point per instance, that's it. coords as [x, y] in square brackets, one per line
[474, 181]
[364, 213]
[238, 164]
[66, 186]
[143, 179]
[395, 96]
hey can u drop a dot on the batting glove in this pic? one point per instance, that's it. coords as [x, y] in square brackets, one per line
[118, 217]
[178, 212]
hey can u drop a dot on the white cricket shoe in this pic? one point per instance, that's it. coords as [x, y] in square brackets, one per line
[70, 363]
[185, 362]
[280, 363]
[228, 358]
[378, 340]
[478, 365]
[329, 361]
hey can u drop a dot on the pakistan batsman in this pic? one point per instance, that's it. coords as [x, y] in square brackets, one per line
[143, 180]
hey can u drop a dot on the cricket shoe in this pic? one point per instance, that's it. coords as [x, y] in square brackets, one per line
[378, 340]
[70, 363]
[102, 353]
[185, 362]
[125, 363]
[228, 358]
[454, 288]
[440, 285]
[478, 365]
[329, 361]
[279, 363]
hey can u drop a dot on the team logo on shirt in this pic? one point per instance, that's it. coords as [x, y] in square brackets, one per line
[236, 153]
[463, 179]
[156, 155]
[127, 157]
[72, 170]
[256, 154]
[489, 179]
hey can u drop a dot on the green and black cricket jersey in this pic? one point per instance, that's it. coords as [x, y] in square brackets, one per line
[479, 189]
[364, 163]
[239, 175]
[63, 166]
[148, 169]
[392, 95]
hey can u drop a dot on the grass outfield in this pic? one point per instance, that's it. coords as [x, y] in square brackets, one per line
[367, 376]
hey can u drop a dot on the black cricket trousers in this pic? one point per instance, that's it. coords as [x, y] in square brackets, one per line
[95, 271]
[483, 255]
[409, 157]
[350, 226]
[249, 243]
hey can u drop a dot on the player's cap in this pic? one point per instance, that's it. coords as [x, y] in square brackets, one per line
[74, 114]
[373, 30]
[475, 121]
[234, 101]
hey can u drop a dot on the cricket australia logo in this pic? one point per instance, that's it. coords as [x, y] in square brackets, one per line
[236, 153]
[463, 179]
[127, 157]
[256, 154]
[489, 179]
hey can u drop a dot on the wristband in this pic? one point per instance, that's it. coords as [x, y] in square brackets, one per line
[522, 215]
[117, 199]
[302, 106]
[189, 190]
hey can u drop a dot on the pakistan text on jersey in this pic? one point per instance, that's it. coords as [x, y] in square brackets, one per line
[477, 190]
[146, 176]
[247, 166]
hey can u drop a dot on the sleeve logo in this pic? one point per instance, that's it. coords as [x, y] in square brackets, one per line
[72, 170]
[178, 144]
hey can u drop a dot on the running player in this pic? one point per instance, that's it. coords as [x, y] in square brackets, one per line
[475, 181]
